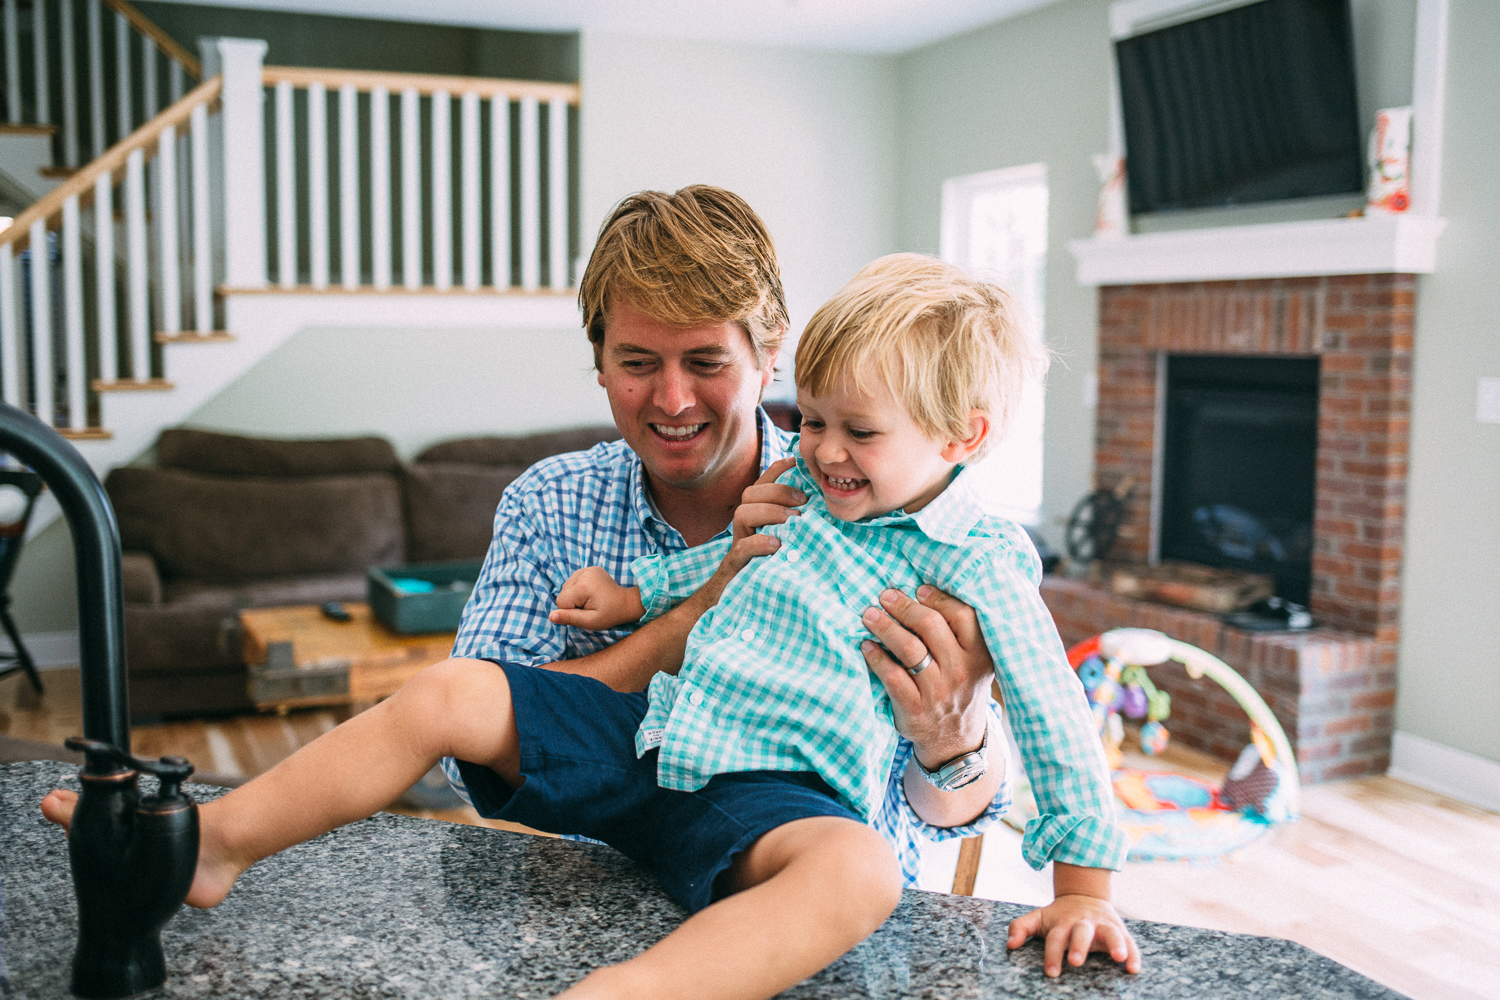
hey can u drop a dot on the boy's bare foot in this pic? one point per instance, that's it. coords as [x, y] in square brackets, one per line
[217, 869]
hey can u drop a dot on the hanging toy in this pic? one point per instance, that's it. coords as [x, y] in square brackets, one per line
[1154, 737]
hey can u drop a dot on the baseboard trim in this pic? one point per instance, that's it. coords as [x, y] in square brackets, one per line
[1440, 768]
[49, 650]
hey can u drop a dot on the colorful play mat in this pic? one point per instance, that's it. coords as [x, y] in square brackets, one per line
[1171, 816]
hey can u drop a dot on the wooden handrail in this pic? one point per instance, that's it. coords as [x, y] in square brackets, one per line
[163, 41]
[422, 83]
[18, 234]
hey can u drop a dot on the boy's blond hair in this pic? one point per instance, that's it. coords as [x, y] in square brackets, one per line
[700, 255]
[944, 343]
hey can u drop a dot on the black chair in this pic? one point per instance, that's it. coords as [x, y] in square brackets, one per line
[12, 537]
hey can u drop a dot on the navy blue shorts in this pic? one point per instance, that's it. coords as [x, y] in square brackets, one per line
[581, 776]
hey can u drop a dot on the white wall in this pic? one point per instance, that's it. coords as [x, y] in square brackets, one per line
[807, 138]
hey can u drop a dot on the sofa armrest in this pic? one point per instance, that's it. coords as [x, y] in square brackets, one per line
[142, 582]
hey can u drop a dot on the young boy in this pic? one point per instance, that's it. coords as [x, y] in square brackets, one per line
[744, 782]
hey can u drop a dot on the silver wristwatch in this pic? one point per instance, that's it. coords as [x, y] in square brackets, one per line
[962, 770]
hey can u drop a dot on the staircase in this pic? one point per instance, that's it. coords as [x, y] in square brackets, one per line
[141, 284]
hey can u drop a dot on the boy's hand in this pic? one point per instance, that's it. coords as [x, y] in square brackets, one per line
[592, 599]
[764, 502]
[1077, 925]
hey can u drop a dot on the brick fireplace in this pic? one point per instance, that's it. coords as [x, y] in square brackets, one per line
[1332, 688]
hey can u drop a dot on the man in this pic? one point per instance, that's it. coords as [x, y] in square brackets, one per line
[682, 301]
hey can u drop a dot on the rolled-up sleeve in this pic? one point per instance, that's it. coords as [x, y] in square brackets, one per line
[668, 579]
[1049, 716]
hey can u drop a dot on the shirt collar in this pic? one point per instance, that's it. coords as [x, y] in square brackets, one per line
[949, 518]
[775, 444]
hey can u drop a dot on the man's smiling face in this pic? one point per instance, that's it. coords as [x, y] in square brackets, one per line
[684, 399]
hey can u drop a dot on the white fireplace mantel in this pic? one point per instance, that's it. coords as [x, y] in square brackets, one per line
[1375, 244]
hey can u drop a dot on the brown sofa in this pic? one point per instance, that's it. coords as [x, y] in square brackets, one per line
[223, 523]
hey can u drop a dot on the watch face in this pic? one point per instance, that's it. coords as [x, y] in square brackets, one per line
[956, 774]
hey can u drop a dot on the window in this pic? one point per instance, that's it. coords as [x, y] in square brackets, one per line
[995, 225]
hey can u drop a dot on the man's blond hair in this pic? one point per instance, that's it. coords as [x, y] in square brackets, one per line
[696, 257]
[944, 343]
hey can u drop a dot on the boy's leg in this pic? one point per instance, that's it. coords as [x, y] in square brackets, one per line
[808, 891]
[459, 708]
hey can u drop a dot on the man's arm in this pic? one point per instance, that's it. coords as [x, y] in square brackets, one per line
[944, 709]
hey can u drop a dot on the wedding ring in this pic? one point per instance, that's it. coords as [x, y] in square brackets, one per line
[922, 665]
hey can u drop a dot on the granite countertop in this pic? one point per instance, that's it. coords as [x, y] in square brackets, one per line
[400, 907]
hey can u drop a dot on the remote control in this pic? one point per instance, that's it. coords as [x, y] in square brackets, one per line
[336, 611]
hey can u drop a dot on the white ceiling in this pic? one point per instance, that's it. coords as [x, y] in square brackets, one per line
[887, 26]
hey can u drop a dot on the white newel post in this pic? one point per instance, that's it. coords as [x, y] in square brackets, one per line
[241, 60]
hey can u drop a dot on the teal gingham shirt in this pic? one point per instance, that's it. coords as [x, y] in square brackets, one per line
[590, 508]
[773, 678]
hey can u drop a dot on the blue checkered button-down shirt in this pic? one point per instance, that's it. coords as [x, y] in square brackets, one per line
[590, 508]
[773, 679]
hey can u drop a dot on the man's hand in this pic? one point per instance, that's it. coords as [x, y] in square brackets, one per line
[591, 599]
[1077, 922]
[942, 710]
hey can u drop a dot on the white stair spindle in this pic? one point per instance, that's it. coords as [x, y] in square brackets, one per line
[135, 266]
[96, 81]
[442, 193]
[349, 186]
[10, 377]
[411, 190]
[243, 98]
[469, 158]
[500, 191]
[104, 275]
[203, 302]
[531, 197]
[41, 321]
[286, 187]
[122, 76]
[380, 186]
[73, 311]
[39, 63]
[317, 182]
[150, 95]
[69, 85]
[557, 193]
[12, 29]
[174, 80]
[166, 228]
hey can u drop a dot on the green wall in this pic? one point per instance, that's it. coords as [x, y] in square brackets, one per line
[1450, 616]
[320, 40]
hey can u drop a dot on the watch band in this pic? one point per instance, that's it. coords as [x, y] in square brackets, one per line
[965, 769]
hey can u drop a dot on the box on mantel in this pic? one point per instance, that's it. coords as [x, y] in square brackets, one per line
[422, 597]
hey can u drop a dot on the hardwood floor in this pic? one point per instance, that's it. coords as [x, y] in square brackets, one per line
[1396, 882]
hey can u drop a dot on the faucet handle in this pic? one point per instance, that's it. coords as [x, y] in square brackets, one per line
[102, 758]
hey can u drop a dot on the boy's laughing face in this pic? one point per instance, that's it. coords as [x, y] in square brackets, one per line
[869, 457]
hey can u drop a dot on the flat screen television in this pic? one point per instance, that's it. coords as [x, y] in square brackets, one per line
[1255, 103]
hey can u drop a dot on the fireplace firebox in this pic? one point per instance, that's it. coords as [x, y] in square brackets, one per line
[1238, 465]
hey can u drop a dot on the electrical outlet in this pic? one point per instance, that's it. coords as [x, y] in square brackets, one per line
[1488, 410]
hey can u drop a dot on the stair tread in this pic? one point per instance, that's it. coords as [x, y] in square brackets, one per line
[24, 129]
[131, 385]
[188, 337]
[86, 433]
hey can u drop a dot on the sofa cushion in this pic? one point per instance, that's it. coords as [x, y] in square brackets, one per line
[220, 529]
[450, 508]
[277, 591]
[232, 455]
[521, 451]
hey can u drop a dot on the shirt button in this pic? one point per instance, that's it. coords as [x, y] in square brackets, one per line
[793, 556]
[695, 698]
[748, 635]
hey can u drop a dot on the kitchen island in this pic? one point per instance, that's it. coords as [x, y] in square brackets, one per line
[396, 907]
